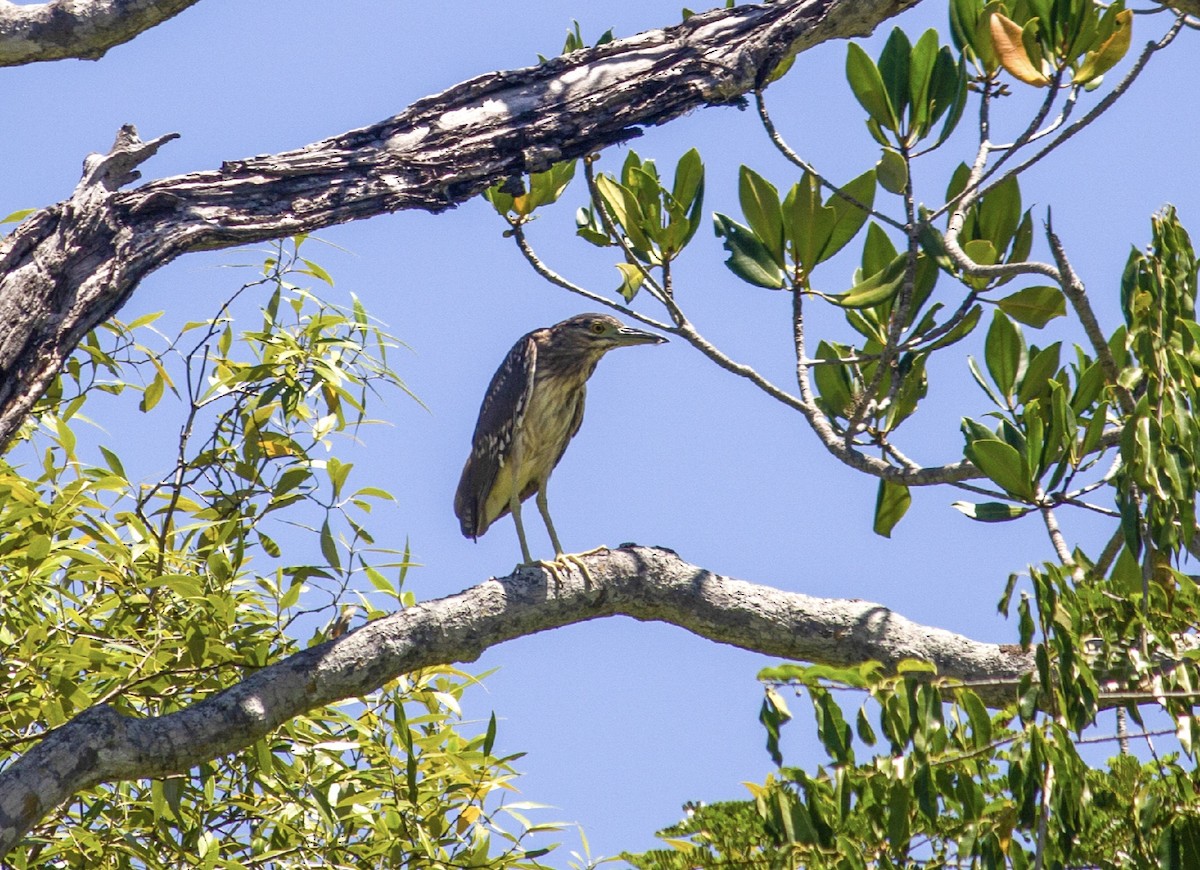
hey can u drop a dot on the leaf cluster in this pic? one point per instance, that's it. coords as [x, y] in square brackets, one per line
[152, 594]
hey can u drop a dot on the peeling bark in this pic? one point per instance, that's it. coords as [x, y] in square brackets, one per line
[645, 583]
[84, 29]
[71, 265]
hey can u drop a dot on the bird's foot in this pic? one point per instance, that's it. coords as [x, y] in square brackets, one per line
[564, 562]
[576, 559]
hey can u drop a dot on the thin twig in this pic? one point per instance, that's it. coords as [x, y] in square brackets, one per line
[787, 151]
[518, 234]
[1061, 549]
[1076, 293]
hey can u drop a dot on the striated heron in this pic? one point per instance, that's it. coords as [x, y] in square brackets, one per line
[531, 411]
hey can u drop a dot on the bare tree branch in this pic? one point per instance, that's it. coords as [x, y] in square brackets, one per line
[647, 584]
[83, 29]
[71, 265]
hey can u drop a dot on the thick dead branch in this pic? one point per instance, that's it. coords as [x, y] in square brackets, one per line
[647, 584]
[70, 266]
[83, 29]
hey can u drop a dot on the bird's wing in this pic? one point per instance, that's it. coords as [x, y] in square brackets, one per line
[503, 407]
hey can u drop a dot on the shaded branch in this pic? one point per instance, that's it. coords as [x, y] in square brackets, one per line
[101, 745]
[84, 29]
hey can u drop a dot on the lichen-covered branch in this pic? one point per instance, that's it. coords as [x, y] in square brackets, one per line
[647, 584]
[83, 29]
[71, 265]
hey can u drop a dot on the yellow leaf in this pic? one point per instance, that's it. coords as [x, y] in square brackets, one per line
[1006, 36]
[1098, 62]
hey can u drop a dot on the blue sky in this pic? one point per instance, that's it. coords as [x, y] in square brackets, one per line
[622, 721]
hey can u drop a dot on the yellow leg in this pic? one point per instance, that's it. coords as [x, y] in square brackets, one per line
[562, 560]
[514, 507]
[544, 508]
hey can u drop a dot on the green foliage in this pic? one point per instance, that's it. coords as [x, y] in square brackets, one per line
[575, 40]
[955, 784]
[657, 223]
[1039, 41]
[908, 91]
[1159, 446]
[785, 240]
[922, 774]
[150, 594]
[541, 188]
[726, 834]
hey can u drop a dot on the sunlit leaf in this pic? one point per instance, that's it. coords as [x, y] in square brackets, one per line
[991, 511]
[1010, 49]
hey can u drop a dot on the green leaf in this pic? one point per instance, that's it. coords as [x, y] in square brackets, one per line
[1003, 465]
[807, 224]
[760, 204]
[991, 511]
[291, 596]
[832, 728]
[589, 228]
[834, 383]
[545, 187]
[1109, 53]
[17, 216]
[926, 792]
[894, 63]
[152, 394]
[891, 503]
[848, 217]
[899, 811]
[1035, 306]
[316, 270]
[1043, 366]
[631, 280]
[977, 714]
[948, 90]
[687, 191]
[892, 171]
[1005, 353]
[921, 63]
[960, 330]
[749, 258]
[867, 85]
[876, 289]
[113, 461]
[878, 250]
[329, 547]
[773, 715]
[500, 199]
[1000, 213]
[623, 205]
[489, 739]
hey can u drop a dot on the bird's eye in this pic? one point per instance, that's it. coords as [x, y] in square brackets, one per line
[597, 328]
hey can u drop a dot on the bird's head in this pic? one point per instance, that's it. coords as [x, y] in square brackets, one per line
[598, 333]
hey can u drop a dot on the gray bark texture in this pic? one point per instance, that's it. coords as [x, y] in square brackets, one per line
[645, 583]
[83, 29]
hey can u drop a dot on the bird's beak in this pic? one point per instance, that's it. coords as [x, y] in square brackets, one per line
[627, 335]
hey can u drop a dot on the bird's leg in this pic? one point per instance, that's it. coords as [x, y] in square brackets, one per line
[514, 507]
[561, 559]
[544, 507]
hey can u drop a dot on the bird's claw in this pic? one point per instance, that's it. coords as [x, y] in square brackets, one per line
[564, 562]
